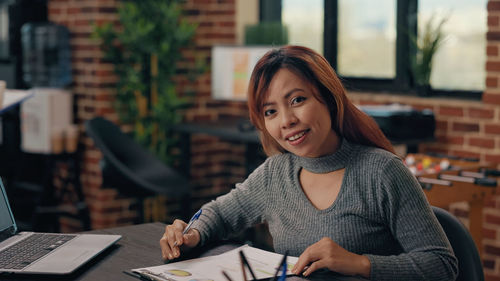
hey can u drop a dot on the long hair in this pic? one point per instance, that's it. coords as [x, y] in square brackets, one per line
[347, 120]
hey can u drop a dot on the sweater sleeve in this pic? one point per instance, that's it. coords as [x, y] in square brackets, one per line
[427, 254]
[241, 208]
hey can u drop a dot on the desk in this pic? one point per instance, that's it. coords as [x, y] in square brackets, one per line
[139, 247]
[227, 130]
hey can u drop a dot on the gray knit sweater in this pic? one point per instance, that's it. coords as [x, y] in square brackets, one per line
[380, 212]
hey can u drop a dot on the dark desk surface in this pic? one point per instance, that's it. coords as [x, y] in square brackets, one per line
[139, 247]
[227, 129]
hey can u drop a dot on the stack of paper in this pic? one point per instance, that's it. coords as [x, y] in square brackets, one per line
[263, 263]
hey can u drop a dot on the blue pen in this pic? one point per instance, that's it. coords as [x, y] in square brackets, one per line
[283, 265]
[283, 275]
[193, 219]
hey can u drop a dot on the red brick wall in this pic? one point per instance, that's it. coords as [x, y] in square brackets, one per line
[491, 129]
[93, 91]
[464, 128]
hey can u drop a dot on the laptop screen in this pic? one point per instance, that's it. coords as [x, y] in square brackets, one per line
[7, 223]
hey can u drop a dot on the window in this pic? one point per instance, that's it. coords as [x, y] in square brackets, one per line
[366, 38]
[304, 29]
[460, 62]
[367, 41]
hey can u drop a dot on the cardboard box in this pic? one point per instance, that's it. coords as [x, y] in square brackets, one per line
[43, 117]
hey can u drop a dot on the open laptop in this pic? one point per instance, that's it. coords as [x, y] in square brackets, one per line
[44, 253]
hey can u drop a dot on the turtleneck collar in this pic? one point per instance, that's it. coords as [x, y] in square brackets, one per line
[327, 163]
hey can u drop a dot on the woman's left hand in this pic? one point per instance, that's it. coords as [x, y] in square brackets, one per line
[327, 254]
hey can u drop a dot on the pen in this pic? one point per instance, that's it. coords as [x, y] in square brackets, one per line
[193, 219]
[285, 267]
[227, 276]
[146, 275]
[280, 266]
[245, 261]
[243, 268]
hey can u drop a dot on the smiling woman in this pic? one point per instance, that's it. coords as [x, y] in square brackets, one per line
[295, 119]
[332, 191]
[318, 79]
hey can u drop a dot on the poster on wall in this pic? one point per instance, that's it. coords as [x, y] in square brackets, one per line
[231, 70]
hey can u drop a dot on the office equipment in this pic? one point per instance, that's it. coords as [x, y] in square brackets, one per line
[401, 123]
[64, 253]
[470, 267]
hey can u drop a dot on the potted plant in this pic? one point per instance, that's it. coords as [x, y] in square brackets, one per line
[266, 33]
[426, 44]
[144, 50]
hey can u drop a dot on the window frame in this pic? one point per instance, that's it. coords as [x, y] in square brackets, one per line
[406, 21]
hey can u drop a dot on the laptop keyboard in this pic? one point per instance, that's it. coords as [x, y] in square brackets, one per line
[35, 246]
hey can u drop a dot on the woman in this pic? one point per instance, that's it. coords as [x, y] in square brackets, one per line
[332, 191]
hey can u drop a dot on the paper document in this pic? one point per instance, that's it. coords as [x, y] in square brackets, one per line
[13, 97]
[263, 263]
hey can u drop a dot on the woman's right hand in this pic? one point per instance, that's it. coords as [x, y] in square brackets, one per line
[173, 241]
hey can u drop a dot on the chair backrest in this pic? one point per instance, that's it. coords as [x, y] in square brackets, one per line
[131, 167]
[470, 267]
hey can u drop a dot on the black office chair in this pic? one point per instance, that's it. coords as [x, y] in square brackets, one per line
[470, 267]
[132, 169]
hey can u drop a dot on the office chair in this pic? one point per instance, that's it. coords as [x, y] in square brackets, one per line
[470, 267]
[132, 169]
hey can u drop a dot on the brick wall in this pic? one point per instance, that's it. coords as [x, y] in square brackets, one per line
[491, 131]
[464, 128]
[93, 93]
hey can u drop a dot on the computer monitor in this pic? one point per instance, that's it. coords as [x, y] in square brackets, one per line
[231, 70]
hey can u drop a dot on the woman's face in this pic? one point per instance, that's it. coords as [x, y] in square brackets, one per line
[295, 119]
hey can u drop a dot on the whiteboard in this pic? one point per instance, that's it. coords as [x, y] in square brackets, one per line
[231, 70]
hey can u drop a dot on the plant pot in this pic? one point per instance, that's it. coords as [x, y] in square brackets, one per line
[424, 90]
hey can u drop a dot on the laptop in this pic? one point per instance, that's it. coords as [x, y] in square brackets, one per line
[44, 253]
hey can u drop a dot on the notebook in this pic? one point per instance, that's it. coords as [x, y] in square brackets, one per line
[44, 253]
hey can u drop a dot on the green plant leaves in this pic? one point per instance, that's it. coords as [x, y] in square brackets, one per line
[426, 44]
[145, 49]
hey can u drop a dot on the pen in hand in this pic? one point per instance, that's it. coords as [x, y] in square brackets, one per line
[193, 219]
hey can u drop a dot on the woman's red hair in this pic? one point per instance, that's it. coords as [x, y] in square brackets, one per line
[347, 120]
